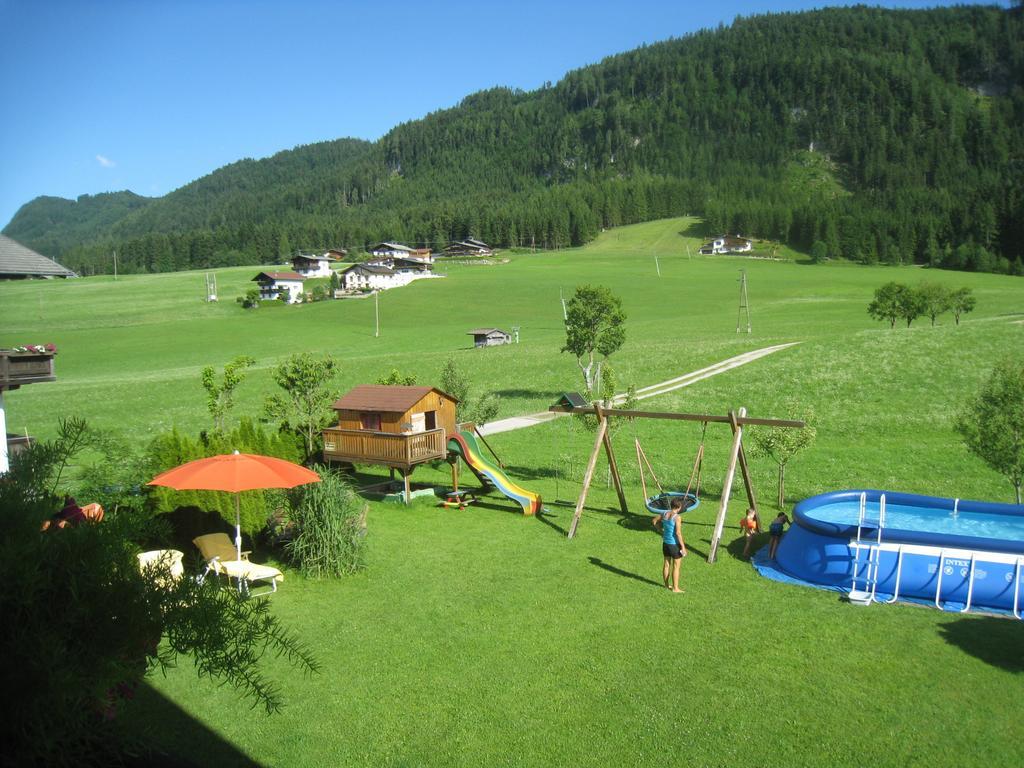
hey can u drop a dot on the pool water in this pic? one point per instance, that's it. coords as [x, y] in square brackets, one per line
[926, 519]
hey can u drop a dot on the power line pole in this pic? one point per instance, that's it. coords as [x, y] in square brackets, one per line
[744, 304]
[115, 266]
[657, 266]
[376, 313]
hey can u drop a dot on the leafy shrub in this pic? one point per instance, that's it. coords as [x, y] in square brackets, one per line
[328, 518]
[172, 449]
[82, 625]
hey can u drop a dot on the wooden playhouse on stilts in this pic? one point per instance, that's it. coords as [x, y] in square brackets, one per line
[397, 427]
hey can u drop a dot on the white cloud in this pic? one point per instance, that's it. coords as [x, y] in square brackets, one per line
[106, 162]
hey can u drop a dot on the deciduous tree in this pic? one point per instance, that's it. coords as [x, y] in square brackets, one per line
[220, 393]
[934, 299]
[961, 301]
[304, 407]
[887, 302]
[992, 422]
[594, 326]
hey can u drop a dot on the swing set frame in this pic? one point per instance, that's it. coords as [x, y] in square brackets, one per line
[735, 419]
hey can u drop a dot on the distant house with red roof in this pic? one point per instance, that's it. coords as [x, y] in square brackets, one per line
[276, 284]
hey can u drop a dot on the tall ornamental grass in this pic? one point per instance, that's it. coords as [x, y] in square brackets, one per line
[330, 527]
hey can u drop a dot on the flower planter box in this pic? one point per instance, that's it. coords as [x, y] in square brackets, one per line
[17, 368]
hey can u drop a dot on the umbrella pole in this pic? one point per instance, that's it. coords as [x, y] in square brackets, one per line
[238, 527]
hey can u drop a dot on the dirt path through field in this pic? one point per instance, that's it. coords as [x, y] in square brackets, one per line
[519, 422]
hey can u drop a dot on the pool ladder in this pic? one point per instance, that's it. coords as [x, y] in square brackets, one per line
[866, 596]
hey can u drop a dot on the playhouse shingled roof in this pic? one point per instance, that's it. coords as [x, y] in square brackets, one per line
[386, 398]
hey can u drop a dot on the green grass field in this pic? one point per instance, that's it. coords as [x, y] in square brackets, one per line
[480, 637]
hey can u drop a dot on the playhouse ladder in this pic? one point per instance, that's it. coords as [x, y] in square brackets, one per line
[866, 596]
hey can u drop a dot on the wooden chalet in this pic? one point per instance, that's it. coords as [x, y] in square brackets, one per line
[397, 250]
[276, 284]
[468, 247]
[489, 337]
[314, 264]
[18, 263]
[393, 426]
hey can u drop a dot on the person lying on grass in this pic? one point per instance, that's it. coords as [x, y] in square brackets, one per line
[673, 547]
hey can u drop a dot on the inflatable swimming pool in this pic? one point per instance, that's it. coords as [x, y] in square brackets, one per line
[956, 553]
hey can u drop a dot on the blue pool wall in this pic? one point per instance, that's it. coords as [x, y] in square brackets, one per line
[818, 552]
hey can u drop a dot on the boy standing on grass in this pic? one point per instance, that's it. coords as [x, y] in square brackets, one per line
[672, 545]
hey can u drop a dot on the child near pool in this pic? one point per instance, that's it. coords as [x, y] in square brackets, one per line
[672, 545]
[775, 532]
[750, 524]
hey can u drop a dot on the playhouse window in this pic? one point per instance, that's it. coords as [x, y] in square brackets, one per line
[370, 421]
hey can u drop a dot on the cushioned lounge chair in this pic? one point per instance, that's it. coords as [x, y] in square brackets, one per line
[165, 564]
[222, 559]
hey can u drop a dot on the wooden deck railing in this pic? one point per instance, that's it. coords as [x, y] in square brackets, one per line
[365, 446]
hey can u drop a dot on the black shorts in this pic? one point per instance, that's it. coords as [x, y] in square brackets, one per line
[671, 550]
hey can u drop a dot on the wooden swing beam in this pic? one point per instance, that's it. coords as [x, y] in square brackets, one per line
[735, 419]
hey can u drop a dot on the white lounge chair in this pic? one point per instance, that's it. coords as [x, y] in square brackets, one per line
[222, 559]
[164, 564]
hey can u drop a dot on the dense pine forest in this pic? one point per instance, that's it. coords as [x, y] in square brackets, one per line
[887, 136]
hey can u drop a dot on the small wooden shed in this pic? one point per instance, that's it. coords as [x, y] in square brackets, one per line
[392, 426]
[489, 337]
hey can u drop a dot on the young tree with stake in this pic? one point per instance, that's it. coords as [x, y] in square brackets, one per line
[593, 326]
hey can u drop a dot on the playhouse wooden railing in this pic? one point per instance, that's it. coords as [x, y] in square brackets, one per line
[395, 450]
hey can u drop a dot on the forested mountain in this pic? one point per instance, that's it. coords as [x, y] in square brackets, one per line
[891, 136]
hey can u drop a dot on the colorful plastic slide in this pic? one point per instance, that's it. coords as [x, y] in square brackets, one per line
[464, 444]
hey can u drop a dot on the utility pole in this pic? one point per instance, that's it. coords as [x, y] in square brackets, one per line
[744, 304]
[115, 266]
[376, 314]
[565, 312]
[657, 266]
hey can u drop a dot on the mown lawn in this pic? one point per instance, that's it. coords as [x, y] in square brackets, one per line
[482, 637]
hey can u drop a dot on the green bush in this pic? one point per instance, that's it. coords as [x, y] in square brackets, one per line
[82, 625]
[330, 527]
[172, 449]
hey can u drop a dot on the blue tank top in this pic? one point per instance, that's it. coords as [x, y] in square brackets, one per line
[668, 528]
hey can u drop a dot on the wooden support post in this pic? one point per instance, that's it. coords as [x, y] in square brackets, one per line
[455, 476]
[730, 474]
[747, 480]
[613, 465]
[484, 441]
[602, 428]
[408, 492]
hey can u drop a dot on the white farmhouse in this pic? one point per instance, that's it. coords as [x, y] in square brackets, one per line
[274, 284]
[373, 277]
[726, 244]
[313, 265]
[399, 251]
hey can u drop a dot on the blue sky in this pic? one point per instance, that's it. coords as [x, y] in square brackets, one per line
[103, 95]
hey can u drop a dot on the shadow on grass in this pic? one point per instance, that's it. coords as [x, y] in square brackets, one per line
[530, 473]
[547, 519]
[995, 641]
[735, 547]
[153, 713]
[619, 572]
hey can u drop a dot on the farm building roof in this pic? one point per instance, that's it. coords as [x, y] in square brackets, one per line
[384, 397]
[316, 256]
[280, 276]
[18, 261]
[376, 269]
[486, 332]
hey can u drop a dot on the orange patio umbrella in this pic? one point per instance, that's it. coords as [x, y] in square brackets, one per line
[235, 472]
